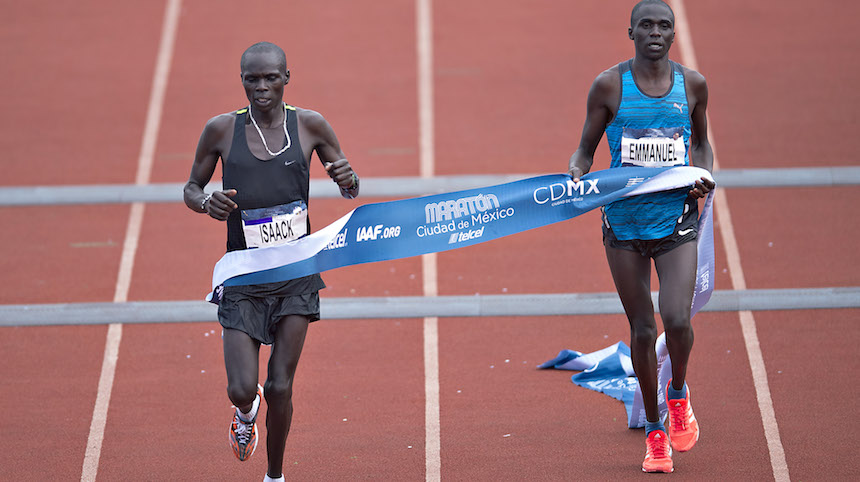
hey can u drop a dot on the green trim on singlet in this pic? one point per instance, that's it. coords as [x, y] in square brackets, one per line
[245, 109]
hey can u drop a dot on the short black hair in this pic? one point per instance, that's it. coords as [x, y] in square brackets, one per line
[264, 47]
[643, 3]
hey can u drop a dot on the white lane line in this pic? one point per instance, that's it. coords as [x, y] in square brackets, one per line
[432, 423]
[432, 426]
[424, 46]
[97, 424]
[424, 34]
[129, 249]
[132, 236]
[747, 320]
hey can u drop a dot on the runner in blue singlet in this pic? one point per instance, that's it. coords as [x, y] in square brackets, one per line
[653, 113]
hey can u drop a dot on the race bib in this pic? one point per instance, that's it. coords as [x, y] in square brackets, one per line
[276, 225]
[658, 147]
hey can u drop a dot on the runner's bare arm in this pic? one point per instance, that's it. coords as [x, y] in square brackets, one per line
[602, 98]
[701, 154]
[330, 153]
[209, 148]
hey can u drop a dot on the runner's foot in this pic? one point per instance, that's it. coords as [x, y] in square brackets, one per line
[243, 434]
[658, 453]
[683, 426]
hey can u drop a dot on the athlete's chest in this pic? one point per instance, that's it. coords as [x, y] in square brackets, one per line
[265, 143]
[638, 109]
[650, 131]
[251, 141]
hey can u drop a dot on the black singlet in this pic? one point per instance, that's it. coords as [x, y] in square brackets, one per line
[259, 184]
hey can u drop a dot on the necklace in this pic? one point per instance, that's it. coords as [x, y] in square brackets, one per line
[289, 142]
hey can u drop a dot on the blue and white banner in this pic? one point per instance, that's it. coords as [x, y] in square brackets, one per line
[705, 264]
[412, 227]
[610, 371]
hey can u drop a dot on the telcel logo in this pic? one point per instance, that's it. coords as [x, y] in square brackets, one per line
[339, 241]
[558, 190]
[465, 236]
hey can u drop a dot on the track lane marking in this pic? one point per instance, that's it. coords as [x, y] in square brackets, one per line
[432, 430]
[778, 463]
[132, 236]
[424, 45]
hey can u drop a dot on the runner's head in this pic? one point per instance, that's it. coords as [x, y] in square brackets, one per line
[652, 28]
[264, 74]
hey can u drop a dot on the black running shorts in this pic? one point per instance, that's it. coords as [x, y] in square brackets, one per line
[686, 230]
[257, 309]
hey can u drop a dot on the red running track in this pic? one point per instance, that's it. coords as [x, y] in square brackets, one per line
[510, 84]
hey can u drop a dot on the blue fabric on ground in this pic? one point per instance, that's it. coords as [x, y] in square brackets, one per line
[610, 371]
[562, 360]
[610, 377]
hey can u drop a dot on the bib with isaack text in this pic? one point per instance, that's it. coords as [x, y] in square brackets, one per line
[274, 226]
[653, 147]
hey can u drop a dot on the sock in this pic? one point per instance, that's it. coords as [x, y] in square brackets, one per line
[672, 394]
[269, 479]
[652, 426]
[252, 413]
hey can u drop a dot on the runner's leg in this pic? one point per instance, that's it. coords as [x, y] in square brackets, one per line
[278, 390]
[676, 271]
[241, 359]
[632, 275]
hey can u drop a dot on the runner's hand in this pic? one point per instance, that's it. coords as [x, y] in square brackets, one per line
[575, 173]
[341, 172]
[219, 206]
[702, 188]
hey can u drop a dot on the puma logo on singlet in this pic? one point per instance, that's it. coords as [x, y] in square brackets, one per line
[680, 109]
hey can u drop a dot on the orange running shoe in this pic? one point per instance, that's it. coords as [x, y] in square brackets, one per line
[243, 435]
[658, 453]
[683, 427]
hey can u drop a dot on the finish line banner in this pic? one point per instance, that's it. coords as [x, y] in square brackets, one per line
[610, 371]
[432, 224]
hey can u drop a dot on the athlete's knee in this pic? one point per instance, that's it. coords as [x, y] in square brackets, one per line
[643, 334]
[679, 330]
[278, 390]
[676, 322]
[242, 393]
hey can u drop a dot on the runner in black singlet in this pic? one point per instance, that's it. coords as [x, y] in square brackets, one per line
[265, 150]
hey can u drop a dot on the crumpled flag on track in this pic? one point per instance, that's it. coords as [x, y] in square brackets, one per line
[610, 371]
[431, 224]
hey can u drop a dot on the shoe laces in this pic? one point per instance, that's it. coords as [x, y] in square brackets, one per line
[679, 416]
[658, 448]
[243, 430]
